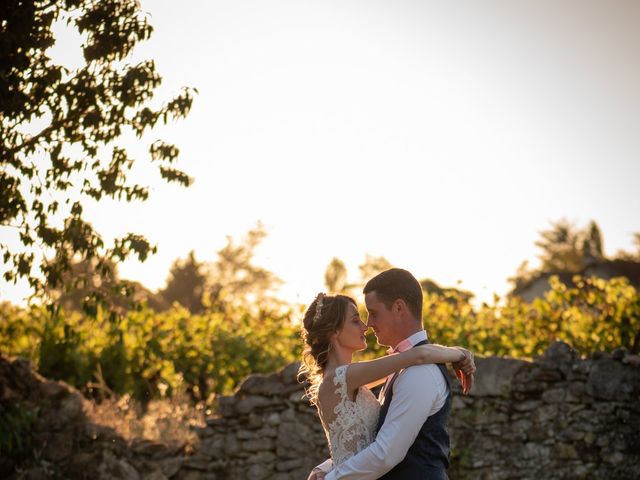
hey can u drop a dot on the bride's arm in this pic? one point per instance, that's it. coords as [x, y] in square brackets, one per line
[364, 373]
[375, 383]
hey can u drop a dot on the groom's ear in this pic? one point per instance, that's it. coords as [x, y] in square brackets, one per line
[400, 307]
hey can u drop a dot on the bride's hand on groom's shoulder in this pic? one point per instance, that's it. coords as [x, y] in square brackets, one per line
[466, 381]
[466, 364]
[465, 370]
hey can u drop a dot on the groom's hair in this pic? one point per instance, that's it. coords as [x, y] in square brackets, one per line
[396, 283]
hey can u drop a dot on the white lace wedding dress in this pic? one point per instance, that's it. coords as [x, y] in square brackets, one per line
[354, 425]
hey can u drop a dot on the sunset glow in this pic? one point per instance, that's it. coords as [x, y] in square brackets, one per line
[441, 136]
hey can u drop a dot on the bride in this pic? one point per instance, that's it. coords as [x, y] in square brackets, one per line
[332, 332]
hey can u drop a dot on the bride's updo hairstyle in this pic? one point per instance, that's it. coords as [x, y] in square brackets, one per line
[324, 317]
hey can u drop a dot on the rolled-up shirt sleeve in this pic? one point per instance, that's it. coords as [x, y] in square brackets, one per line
[418, 392]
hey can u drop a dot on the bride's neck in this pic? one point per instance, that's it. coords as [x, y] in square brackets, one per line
[338, 357]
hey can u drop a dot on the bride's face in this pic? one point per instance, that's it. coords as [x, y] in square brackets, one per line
[351, 335]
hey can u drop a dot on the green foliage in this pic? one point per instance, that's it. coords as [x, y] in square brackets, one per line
[335, 276]
[372, 266]
[231, 282]
[429, 286]
[563, 248]
[16, 425]
[235, 347]
[186, 284]
[63, 349]
[19, 329]
[60, 138]
[631, 255]
[147, 354]
[596, 315]
[235, 281]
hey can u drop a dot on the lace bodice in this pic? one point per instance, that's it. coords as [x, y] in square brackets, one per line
[354, 425]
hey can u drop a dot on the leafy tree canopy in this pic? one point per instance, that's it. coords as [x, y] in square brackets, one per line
[372, 266]
[564, 247]
[235, 280]
[631, 255]
[186, 284]
[86, 281]
[61, 133]
[232, 280]
[335, 276]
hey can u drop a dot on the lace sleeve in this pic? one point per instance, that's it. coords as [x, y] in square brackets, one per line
[340, 381]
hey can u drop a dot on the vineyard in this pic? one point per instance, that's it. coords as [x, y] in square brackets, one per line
[150, 355]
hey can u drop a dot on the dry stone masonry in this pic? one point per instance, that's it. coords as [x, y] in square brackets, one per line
[558, 417]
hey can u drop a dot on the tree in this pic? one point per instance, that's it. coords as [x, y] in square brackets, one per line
[234, 280]
[592, 248]
[633, 256]
[524, 274]
[560, 247]
[568, 248]
[335, 276]
[61, 136]
[186, 284]
[85, 279]
[564, 248]
[373, 266]
[448, 293]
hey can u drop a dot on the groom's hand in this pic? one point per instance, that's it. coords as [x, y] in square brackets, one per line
[316, 474]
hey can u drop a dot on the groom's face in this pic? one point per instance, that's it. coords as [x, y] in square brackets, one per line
[381, 320]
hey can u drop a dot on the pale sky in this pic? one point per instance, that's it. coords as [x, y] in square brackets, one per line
[441, 135]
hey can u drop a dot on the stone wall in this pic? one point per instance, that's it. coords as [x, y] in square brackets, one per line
[267, 430]
[62, 441]
[556, 417]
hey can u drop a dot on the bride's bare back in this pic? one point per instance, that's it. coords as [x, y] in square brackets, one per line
[349, 418]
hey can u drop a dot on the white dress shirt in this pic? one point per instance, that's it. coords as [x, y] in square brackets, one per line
[418, 392]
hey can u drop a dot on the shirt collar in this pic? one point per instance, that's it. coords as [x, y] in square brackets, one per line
[409, 342]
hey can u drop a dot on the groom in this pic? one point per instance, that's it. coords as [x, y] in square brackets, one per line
[412, 441]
